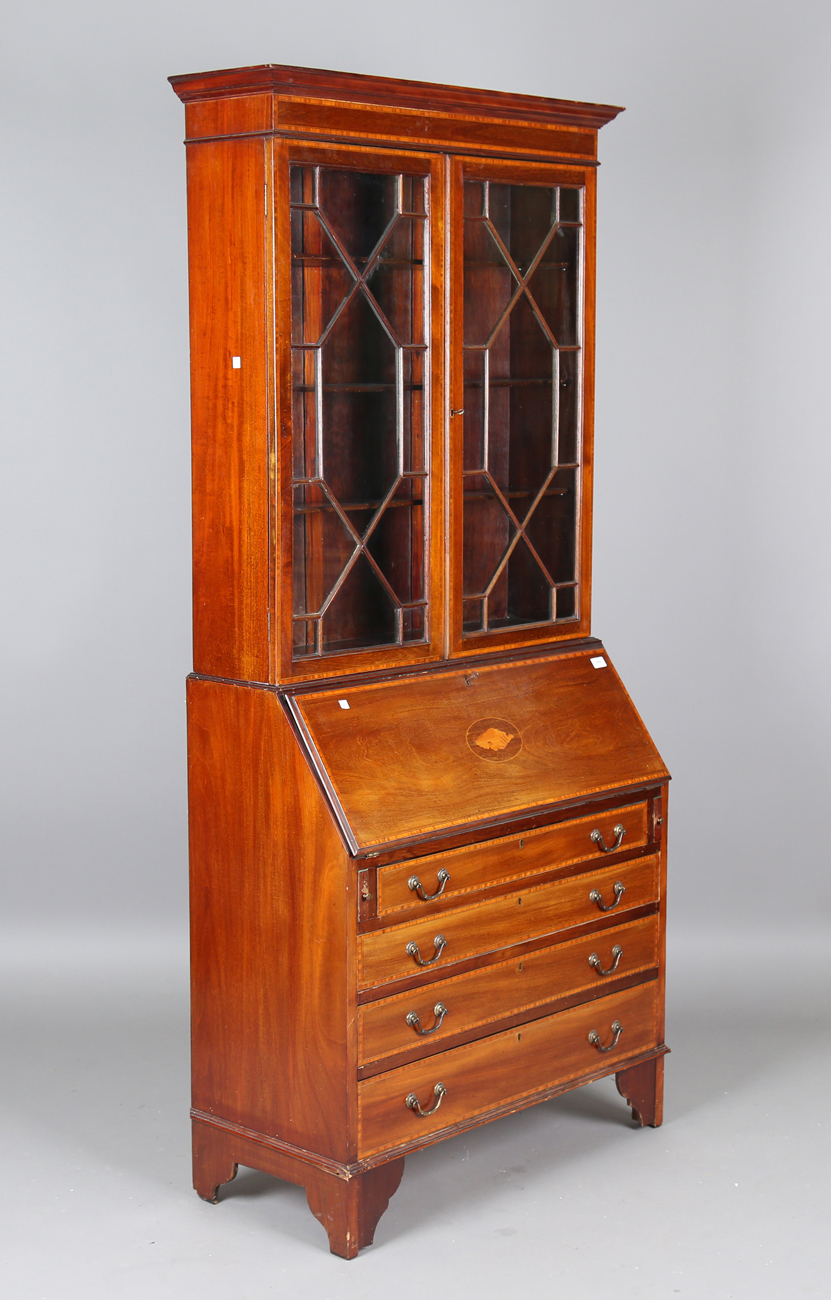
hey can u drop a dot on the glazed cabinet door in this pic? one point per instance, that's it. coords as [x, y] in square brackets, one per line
[359, 275]
[521, 294]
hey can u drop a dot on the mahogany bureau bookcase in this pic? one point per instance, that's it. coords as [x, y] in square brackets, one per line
[427, 823]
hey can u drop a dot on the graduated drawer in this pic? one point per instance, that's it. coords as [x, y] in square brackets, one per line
[519, 984]
[497, 923]
[504, 1068]
[509, 858]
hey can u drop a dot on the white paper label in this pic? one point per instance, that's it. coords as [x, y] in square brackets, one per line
[344, 704]
[598, 662]
[236, 362]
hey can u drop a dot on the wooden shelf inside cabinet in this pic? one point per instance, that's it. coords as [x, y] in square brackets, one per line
[422, 804]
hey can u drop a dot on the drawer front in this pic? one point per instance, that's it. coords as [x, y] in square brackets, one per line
[499, 922]
[504, 1068]
[483, 996]
[512, 857]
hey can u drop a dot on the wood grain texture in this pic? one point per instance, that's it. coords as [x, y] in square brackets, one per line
[348, 1201]
[214, 1162]
[274, 915]
[659, 819]
[241, 115]
[230, 422]
[482, 927]
[431, 129]
[401, 765]
[483, 996]
[481, 865]
[282, 79]
[350, 1209]
[502, 1068]
[643, 1087]
[494, 756]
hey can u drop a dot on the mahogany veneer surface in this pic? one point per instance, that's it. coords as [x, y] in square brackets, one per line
[485, 995]
[423, 754]
[471, 733]
[499, 922]
[504, 1067]
[480, 865]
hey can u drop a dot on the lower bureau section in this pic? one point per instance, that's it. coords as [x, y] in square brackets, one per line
[505, 1068]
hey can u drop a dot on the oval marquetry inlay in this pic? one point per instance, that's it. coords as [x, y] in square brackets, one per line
[494, 739]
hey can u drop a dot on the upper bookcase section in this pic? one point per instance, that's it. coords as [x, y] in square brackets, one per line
[313, 102]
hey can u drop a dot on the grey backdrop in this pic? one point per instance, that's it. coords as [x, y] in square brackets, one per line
[711, 592]
[712, 519]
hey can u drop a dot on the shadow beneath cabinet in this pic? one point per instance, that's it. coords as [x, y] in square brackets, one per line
[101, 1064]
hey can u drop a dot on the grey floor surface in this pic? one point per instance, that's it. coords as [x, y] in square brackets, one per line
[728, 1199]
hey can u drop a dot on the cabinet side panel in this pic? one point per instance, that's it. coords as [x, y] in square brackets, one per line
[229, 404]
[273, 921]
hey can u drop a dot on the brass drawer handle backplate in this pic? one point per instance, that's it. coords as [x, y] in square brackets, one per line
[618, 888]
[594, 1037]
[439, 943]
[618, 832]
[439, 1011]
[415, 884]
[413, 1103]
[594, 960]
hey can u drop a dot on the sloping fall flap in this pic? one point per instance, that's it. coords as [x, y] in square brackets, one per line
[416, 756]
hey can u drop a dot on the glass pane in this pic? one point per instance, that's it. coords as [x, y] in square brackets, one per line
[474, 199]
[396, 281]
[320, 280]
[413, 624]
[488, 530]
[566, 602]
[522, 370]
[475, 364]
[489, 283]
[521, 415]
[360, 356]
[324, 545]
[472, 615]
[358, 207]
[304, 408]
[522, 216]
[570, 206]
[529, 592]
[396, 543]
[413, 194]
[553, 285]
[362, 612]
[304, 638]
[360, 451]
[569, 403]
[414, 431]
[550, 529]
